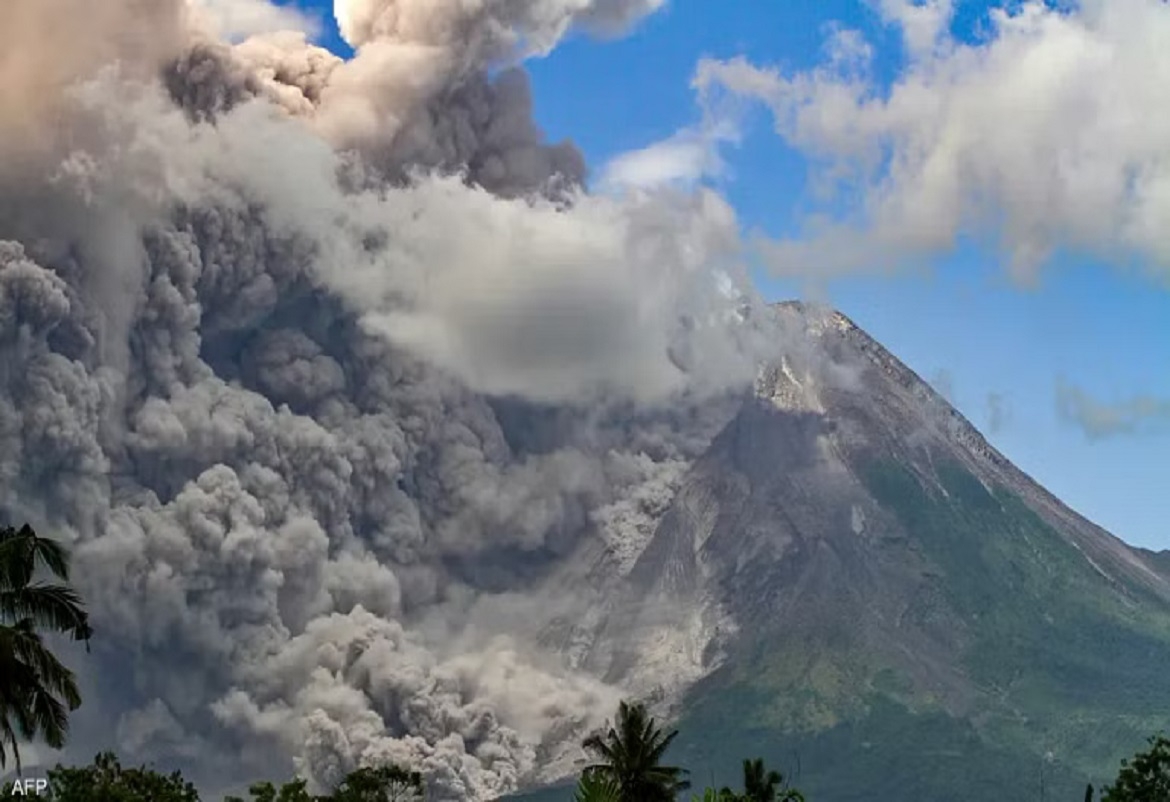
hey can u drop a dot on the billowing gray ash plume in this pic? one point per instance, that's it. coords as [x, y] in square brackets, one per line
[323, 366]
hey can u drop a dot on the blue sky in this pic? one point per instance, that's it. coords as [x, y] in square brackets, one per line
[963, 322]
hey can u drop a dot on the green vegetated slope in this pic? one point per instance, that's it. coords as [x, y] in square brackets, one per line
[1064, 669]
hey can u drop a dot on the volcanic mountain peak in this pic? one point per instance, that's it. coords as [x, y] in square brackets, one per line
[835, 368]
[851, 561]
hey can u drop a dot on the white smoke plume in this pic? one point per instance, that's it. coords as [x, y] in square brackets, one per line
[335, 376]
[1045, 132]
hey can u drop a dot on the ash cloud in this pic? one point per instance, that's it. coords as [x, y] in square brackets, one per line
[335, 377]
[48, 45]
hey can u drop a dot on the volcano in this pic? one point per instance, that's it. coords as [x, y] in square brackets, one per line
[875, 600]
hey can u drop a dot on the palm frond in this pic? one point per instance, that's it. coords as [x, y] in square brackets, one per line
[8, 742]
[597, 787]
[45, 669]
[16, 563]
[49, 718]
[659, 749]
[23, 551]
[49, 553]
[55, 607]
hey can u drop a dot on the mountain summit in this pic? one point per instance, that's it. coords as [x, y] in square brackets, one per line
[876, 598]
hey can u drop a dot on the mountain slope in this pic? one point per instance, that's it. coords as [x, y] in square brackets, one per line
[883, 600]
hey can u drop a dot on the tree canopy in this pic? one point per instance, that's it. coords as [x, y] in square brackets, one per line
[107, 780]
[1144, 777]
[759, 785]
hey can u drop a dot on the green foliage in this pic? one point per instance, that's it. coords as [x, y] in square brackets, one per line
[106, 780]
[37, 691]
[597, 787]
[368, 784]
[630, 754]
[1144, 777]
[294, 791]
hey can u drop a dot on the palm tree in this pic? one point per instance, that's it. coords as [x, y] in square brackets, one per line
[596, 787]
[36, 690]
[629, 754]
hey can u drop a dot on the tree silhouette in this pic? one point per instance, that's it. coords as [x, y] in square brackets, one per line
[630, 754]
[380, 784]
[37, 691]
[295, 791]
[106, 780]
[1144, 777]
[722, 795]
[761, 785]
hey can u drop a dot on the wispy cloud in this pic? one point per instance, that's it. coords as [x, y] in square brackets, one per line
[1101, 419]
[999, 413]
[684, 159]
[943, 383]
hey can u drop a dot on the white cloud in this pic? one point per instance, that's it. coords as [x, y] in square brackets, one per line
[681, 160]
[1050, 132]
